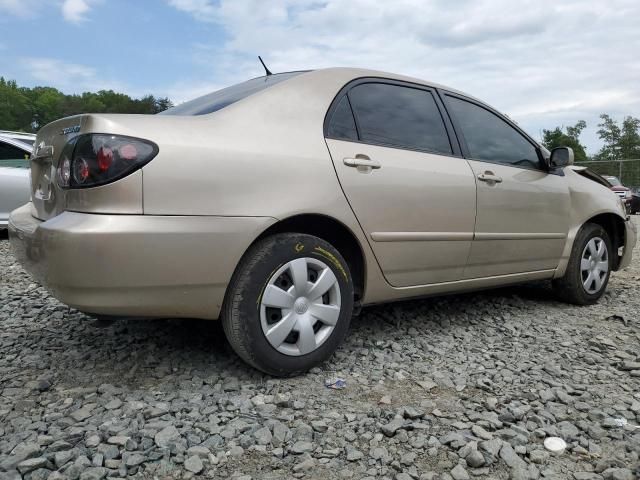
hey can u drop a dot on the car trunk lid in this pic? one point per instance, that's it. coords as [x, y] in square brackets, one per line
[48, 199]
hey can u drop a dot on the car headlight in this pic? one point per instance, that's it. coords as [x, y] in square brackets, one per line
[627, 194]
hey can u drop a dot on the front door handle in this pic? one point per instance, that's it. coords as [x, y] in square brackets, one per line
[489, 177]
[362, 162]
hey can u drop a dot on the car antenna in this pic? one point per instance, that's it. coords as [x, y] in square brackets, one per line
[265, 67]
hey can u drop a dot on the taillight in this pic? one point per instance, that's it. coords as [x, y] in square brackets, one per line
[96, 159]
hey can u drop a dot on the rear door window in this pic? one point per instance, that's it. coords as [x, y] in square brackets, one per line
[399, 116]
[490, 138]
[342, 125]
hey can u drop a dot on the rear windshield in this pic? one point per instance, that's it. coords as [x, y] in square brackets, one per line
[217, 100]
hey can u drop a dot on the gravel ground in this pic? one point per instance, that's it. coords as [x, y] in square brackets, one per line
[466, 386]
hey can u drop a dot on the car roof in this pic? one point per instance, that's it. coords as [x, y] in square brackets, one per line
[355, 73]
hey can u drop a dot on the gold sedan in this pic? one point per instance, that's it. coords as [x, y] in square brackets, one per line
[281, 204]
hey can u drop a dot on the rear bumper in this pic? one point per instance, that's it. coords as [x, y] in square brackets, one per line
[630, 238]
[134, 265]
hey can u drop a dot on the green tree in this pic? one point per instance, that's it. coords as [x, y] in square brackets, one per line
[28, 109]
[47, 104]
[566, 137]
[15, 107]
[620, 142]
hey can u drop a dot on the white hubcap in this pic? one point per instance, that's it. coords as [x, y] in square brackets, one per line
[300, 306]
[594, 265]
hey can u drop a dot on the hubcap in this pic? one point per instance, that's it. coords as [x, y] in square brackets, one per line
[594, 265]
[300, 306]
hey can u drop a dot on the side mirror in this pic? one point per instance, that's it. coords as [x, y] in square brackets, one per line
[561, 157]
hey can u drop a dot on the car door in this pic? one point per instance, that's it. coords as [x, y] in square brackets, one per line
[14, 179]
[522, 208]
[412, 192]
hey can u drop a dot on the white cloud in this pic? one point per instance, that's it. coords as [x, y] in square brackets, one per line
[66, 76]
[201, 9]
[75, 10]
[543, 62]
[19, 8]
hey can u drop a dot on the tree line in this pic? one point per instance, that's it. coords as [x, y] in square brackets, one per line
[621, 140]
[28, 109]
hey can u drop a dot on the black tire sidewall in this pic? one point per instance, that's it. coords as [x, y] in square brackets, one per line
[274, 252]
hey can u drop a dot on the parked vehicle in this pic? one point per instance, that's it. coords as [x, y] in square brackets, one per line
[635, 201]
[14, 176]
[623, 192]
[284, 203]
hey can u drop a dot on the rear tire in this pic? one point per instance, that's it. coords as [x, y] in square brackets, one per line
[585, 280]
[289, 304]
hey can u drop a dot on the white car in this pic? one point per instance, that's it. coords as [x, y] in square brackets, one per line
[28, 138]
[15, 150]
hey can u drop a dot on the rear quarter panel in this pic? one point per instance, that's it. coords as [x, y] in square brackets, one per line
[262, 156]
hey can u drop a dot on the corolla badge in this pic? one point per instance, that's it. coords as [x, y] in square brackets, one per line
[68, 130]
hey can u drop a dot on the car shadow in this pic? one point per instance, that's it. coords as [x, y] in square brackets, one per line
[454, 304]
[170, 354]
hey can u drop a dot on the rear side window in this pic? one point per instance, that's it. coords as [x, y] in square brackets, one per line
[490, 138]
[342, 125]
[222, 98]
[399, 116]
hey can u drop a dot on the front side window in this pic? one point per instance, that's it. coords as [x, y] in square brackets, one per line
[399, 116]
[490, 138]
[11, 156]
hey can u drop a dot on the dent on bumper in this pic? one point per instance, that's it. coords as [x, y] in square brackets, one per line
[139, 265]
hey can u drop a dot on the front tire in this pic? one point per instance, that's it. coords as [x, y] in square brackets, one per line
[589, 267]
[289, 304]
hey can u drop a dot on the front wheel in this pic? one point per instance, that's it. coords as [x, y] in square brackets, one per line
[289, 304]
[589, 268]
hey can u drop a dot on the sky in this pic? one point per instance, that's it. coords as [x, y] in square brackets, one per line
[545, 63]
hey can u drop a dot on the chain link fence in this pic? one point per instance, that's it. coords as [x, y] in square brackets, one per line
[628, 171]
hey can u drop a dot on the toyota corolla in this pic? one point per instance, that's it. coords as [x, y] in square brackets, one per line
[283, 204]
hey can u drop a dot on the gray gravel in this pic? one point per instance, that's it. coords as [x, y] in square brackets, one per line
[460, 387]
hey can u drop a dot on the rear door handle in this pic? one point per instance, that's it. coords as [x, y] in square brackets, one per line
[489, 177]
[362, 161]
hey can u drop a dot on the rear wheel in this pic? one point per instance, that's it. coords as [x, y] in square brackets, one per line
[289, 304]
[589, 268]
